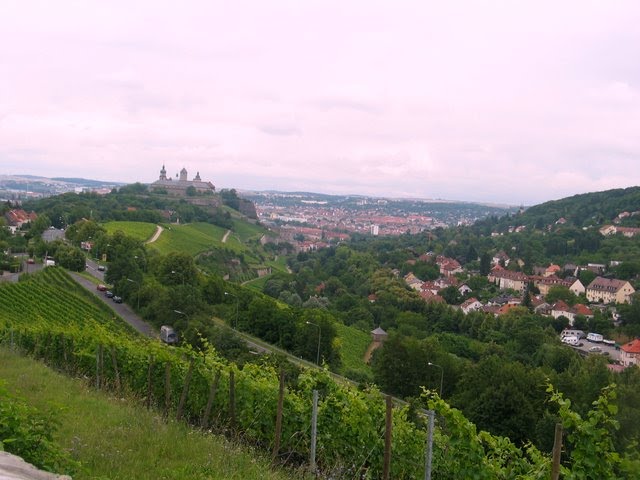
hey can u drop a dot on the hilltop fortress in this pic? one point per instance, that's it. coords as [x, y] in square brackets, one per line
[181, 186]
[197, 192]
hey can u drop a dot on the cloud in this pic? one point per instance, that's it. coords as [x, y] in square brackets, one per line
[280, 130]
[510, 102]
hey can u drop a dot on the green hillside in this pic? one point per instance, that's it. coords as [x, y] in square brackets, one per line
[586, 209]
[51, 296]
[353, 346]
[192, 238]
[139, 230]
[123, 440]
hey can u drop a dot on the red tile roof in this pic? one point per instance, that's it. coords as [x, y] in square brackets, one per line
[561, 306]
[581, 309]
[631, 347]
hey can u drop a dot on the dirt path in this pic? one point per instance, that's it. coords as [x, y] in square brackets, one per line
[226, 235]
[155, 236]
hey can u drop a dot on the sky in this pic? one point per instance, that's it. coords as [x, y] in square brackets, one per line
[511, 101]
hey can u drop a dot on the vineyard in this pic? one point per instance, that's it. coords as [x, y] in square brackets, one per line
[192, 238]
[48, 318]
[139, 230]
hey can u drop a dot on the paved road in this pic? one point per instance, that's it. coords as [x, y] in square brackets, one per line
[612, 353]
[92, 268]
[122, 309]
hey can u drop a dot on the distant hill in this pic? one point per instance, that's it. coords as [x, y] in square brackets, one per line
[583, 210]
[85, 182]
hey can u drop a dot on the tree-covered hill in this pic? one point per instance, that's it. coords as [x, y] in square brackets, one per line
[583, 210]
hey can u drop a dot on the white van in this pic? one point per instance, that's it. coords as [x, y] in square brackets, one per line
[168, 335]
[571, 340]
[572, 333]
[595, 337]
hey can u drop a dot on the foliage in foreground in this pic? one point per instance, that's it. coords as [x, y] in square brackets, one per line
[350, 421]
[28, 433]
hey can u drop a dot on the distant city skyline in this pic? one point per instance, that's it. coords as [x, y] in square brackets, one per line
[482, 101]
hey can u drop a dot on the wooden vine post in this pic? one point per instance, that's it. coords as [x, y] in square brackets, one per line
[212, 396]
[149, 382]
[167, 388]
[185, 389]
[557, 451]
[232, 400]
[278, 433]
[116, 372]
[387, 438]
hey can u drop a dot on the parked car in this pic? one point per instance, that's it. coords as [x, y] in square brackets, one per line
[117, 299]
[101, 288]
[108, 294]
[31, 261]
[101, 268]
[595, 350]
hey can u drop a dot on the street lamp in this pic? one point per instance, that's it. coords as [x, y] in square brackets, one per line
[173, 272]
[319, 334]
[237, 302]
[441, 374]
[137, 291]
[183, 314]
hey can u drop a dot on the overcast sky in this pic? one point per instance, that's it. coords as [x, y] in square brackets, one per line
[506, 101]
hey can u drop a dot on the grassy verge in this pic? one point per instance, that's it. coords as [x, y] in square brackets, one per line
[114, 439]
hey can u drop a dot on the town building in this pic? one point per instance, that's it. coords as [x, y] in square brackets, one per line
[544, 284]
[507, 279]
[471, 305]
[630, 353]
[606, 290]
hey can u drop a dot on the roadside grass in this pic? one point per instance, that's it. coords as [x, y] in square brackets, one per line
[142, 231]
[87, 276]
[354, 344]
[113, 438]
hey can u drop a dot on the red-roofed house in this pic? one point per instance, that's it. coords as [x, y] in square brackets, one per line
[552, 270]
[17, 218]
[448, 266]
[500, 258]
[630, 353]
[429, 297]
[412, 281]
[561, 309]
[430, 286]
[580, 309]
[471, 305]
[506, 309]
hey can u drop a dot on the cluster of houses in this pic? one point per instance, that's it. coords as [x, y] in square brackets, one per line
[16, 218]
[600, 291]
